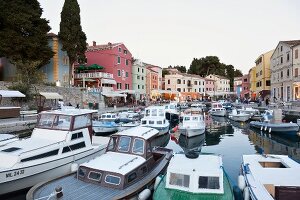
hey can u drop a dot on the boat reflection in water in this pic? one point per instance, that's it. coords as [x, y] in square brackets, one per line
[275, 144]
[192, 145]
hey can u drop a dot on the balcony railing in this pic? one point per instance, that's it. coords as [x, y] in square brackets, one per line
[94, 75]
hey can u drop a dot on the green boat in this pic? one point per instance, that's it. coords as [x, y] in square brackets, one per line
[198, 178]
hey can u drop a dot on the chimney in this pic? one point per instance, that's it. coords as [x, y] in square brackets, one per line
[94, 43]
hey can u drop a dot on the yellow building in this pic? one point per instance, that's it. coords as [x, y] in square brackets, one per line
[262, 75]
[252, 75]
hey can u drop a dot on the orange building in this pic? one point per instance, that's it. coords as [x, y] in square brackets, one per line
[152, 82]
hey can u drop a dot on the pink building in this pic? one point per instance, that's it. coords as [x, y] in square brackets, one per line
[116, 59]
[209, 85]
[245, 86]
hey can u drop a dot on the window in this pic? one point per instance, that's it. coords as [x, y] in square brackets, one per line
[126, 74]
[144, 122]
[144, 169]
[112, 143]
[114, 180]
[178, 89]
[95, 176]
[11, 149]
[296, 54]
[127, 86]
[288, 57]
[183, 81]
[131, 177]
[151, 122]
[159, 122]
[207, 182]
[119, 72]
[281, 60]
[183, 89]
[46, 121]
[142, 86]
[195, 82]
[62, 122]
[199, 89]
[138, 146]
[281, 74]
[76, 136]
[195, 90]
[296, 72]
[268, 83]
[120, 49]
[126, 62]
[124, 144]
[168, 81]
[179, 180]
[119, 86]
[288, 72]
[82, 121]
[73, 147]
[138, 86]
[43, 155]
[119, 60]
[142, 70]
[260, 73]
[138, 77]
[178, 81]
[138, 69]
[125, 51]
[281, 48]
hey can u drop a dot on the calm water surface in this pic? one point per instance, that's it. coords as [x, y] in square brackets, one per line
[230, 140]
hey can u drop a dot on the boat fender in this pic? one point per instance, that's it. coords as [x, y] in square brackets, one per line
[238, 195]
[266, 128]
[74, 167]
[261, 128]
[246, 193]
[241, 182]
[157, 181]
[270, 130]
[144, 195]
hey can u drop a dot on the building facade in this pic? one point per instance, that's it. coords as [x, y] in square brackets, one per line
[57, 70]
[151, 83]
[283, 70]
[189, 86]
[245, 87]
[237, 81]
[296, 72]
[139, 73]
[222, 84]
[263, 75]
[116, 60]
[252, 78]
[209, 85]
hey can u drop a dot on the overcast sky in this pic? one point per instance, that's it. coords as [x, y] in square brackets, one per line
[173, 32]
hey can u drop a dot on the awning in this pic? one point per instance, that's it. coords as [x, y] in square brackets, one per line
[11, 93]
[126, 91]
[51, 95]
[113, 94]
[165, 91]
[108, 81]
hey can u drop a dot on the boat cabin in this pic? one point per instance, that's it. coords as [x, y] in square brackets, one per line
[153, 121]
[129, 157]
[109, 116]
[201, 175]
[188, 119]
[155, 111]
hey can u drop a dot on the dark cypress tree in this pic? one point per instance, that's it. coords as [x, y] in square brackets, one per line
[23, 37]
[71, 35]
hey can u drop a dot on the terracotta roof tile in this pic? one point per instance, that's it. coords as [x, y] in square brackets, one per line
[103, 47]
[292, 42]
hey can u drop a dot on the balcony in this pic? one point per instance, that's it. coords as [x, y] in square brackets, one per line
[93, 75]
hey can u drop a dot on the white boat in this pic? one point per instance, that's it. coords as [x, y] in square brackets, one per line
[155, 118]
[126, 170]
[108, 117]
[128, 115]
[172, 113]
[269, 177]
[104, 127]
[125, 126]
[198, 105]
[217, 110]
[238, 117]
[7, 138]
[192, 125]
[183, 105]
[61, 140]
[198, 178]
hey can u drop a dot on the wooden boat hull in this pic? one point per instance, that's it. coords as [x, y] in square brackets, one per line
[32, 175]
[74, 188]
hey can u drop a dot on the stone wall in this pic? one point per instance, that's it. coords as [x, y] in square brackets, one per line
[71, 95]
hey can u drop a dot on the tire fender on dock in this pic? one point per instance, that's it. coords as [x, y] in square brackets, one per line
[144, 195]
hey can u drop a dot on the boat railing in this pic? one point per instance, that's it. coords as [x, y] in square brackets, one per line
[40, 147]
[128, 162]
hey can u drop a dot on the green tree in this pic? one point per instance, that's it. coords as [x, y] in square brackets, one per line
[71, 35]
[205, 66]
[237, 73]
[182, 69]
[23, 38]
[165, 72]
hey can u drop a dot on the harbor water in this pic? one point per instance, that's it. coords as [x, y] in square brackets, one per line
[227, 138]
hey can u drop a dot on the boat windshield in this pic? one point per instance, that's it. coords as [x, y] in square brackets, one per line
[138, 146]
[124, 144]
[52, 121]
[187, 119]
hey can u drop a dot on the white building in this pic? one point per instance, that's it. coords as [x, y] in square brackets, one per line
[190, 86]
[296, 72]
[284, 70]
[222, 85]
[139, 79]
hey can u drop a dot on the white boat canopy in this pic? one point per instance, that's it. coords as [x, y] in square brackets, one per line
[11, 93]
[113, 94]
[51, 95]
[108, 81]
[126, 91]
